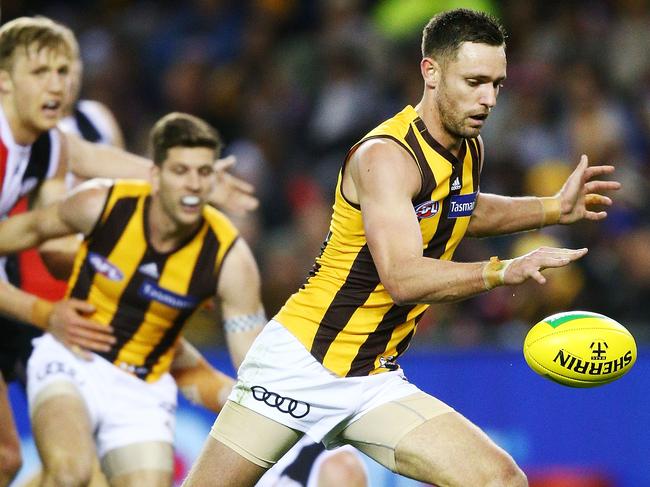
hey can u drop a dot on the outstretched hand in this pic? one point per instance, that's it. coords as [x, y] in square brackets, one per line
[580, 192]
[68, 324]
[530, 265]
[231, 193]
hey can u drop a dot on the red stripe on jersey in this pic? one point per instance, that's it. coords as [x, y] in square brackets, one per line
[3, 163]
[34, 276]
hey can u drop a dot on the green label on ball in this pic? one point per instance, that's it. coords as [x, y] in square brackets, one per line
[561, 318]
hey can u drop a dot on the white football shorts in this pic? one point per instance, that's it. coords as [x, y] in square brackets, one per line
[123, 409]
[281, 380]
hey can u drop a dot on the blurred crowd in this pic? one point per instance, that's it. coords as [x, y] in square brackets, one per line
[291, 84]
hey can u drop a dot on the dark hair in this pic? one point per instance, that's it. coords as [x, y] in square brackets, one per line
[182, 130]
[446, 31]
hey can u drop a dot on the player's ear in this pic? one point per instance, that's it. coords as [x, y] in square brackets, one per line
[5, 81]
[430, 72]
[155, 178]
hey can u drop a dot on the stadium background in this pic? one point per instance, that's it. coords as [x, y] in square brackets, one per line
[291, 84]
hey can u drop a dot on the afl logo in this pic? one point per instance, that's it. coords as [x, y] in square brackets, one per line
[427, 209]
[104, 267]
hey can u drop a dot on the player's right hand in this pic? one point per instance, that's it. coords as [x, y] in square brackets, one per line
[530, 265]
[68, 324]
[232, 193]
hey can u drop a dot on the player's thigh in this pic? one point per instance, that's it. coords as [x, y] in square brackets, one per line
[8, 435]
[149, 463]
[61, 426]
[450, 450]
[98, 478]
[220, 466]
[10, 458]
[378, 432]
[241, 446]
[421, 437]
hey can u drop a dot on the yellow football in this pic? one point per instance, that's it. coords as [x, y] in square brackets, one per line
[580, 349]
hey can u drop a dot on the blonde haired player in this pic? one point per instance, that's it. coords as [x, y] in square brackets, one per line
[36, 55]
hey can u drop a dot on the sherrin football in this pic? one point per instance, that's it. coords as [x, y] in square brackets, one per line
[580, 349]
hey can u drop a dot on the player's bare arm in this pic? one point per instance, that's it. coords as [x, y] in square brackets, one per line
[239, 291]
[197, 379]
[498, 215]
[77, 213]
[64, 319]
[88, 160]
[385, 179]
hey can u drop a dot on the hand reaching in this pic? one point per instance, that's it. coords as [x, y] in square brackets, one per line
[67, 323]
[530, 265]
[580, 192]
[231, 193]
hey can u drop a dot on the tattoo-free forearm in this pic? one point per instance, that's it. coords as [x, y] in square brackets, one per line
[500, 215]
[23, 306]
[88, 160]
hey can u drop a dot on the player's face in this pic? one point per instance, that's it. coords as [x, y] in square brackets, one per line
[469, 86]
[36, 88]
[72, 95]
[184, 183]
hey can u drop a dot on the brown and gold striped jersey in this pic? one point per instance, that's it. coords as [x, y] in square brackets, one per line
[145, 295]
[343, 315]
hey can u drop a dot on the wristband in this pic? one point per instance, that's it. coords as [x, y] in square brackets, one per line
[242, 323]
[41, 311]
[550, 211]
[494, 272]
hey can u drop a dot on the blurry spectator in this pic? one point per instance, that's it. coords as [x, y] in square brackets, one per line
[292, 83]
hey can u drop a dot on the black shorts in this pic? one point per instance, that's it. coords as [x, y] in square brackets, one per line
[15, 348]
[15, 337]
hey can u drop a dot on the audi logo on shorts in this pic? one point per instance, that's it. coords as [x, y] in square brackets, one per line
[288, 405]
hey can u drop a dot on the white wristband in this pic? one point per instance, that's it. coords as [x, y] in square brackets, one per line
[242, 323]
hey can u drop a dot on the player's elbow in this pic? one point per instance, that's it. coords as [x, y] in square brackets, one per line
[399, 291]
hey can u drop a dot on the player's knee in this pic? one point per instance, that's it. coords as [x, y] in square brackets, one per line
[10, 461]
[64, 469]
[342, 469]
[507, 474]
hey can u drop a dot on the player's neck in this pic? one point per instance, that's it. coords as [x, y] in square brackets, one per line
[427, 111]
[164, 233]
[21, 132]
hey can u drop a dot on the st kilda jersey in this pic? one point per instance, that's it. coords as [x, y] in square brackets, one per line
[24, 167]
[343, 314]
[146, 296]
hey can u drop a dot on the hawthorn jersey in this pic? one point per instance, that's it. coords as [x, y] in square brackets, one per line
[146, 296]
[342, 314]
[24, 167]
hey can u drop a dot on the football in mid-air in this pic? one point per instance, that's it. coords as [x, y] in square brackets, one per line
[580, 349]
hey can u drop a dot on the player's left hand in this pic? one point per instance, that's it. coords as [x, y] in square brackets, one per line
[231, 193]
[581, 191]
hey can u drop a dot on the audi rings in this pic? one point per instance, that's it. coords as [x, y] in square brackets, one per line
[287, 405]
